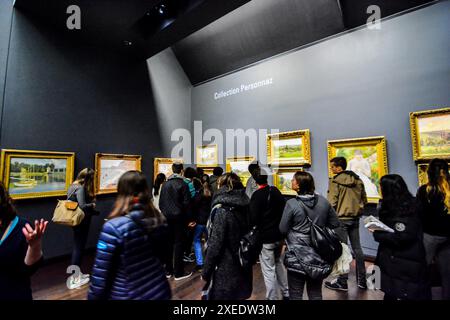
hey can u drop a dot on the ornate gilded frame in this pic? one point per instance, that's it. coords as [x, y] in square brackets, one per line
[106, 156]
[198, 158]
[247, 159]
[158, 161]
[379, 142]
[7, 154]
[276, 179]
[306, 147]
[422, 173]
[415, 134]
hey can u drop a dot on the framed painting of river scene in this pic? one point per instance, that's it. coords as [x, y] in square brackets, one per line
[36, 174]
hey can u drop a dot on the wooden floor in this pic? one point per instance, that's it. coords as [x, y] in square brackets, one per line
[49, 283]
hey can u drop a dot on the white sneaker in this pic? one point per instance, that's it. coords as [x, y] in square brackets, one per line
[76, 282]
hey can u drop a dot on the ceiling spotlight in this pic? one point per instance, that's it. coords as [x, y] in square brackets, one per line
[127, 43]
[162, 9]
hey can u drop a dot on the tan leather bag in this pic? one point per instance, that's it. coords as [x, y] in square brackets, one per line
[68, 213]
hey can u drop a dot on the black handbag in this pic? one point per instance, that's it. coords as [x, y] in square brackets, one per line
[324, 240]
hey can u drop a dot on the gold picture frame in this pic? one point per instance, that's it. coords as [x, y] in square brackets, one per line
[36, 174]
[422, 173]
[208, 171]
[289, 140]
[369, 161]
[239, 165]
[434, 126]
[212, 160]
[282, 180]
[164, 165]
[110, 167]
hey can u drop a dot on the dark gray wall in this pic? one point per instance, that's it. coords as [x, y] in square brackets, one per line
[5, 27]
[64, 97]
[360, 84]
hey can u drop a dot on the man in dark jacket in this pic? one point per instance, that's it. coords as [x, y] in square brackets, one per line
[173, 203]
[266, 208]
[217, 172]
[348, 197]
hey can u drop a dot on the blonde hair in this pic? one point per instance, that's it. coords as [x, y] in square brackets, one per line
[439, 181]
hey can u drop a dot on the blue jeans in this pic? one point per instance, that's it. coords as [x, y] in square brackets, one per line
[200, 229]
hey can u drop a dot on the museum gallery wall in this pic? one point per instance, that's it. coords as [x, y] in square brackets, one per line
[61, 97]
[352, 86]
[360, 84]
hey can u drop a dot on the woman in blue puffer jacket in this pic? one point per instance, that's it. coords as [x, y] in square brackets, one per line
[128, 265]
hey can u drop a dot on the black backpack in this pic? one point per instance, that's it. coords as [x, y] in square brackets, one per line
[324, 240]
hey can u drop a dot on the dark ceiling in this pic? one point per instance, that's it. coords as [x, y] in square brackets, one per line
[133, 26]
[209, 37]
[263, 28]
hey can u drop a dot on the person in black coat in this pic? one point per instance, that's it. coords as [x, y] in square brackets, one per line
[20, 251]
[401, 254]
[128, 264]
[434, 211]
[174, 203]
[229, 222]
[202, 209]
[266, 208]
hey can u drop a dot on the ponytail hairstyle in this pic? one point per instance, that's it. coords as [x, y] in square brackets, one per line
[438, 186]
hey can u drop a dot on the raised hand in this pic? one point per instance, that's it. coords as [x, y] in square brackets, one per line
[34, 237]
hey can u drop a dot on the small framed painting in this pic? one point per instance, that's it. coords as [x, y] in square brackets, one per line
[367, 157]
[239, 165]
[207, 156]
[164, 165]
[36, 174]
[430, 134]
[282, 180]
[291, 148]
[422, 174]
[110, 167]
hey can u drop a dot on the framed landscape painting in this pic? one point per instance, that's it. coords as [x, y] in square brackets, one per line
[422, 173]
[430, 134]
[36, 174]
[164, 165]
[110, 167]
[291, 148]
[239, 165]
[282, 180]
[367, 157]
[207, 156]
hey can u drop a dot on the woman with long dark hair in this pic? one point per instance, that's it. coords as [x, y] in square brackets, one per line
[82, 191]
[434, 209]
[159, 180]
[401, 255]
[228, 223]
[128, 261]
[20, 250]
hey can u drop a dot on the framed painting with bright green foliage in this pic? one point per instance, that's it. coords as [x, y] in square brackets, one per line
[292, 148]
[282, 180]
[239, 165]
[367, 157]
[430, 134]
[36, 174]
